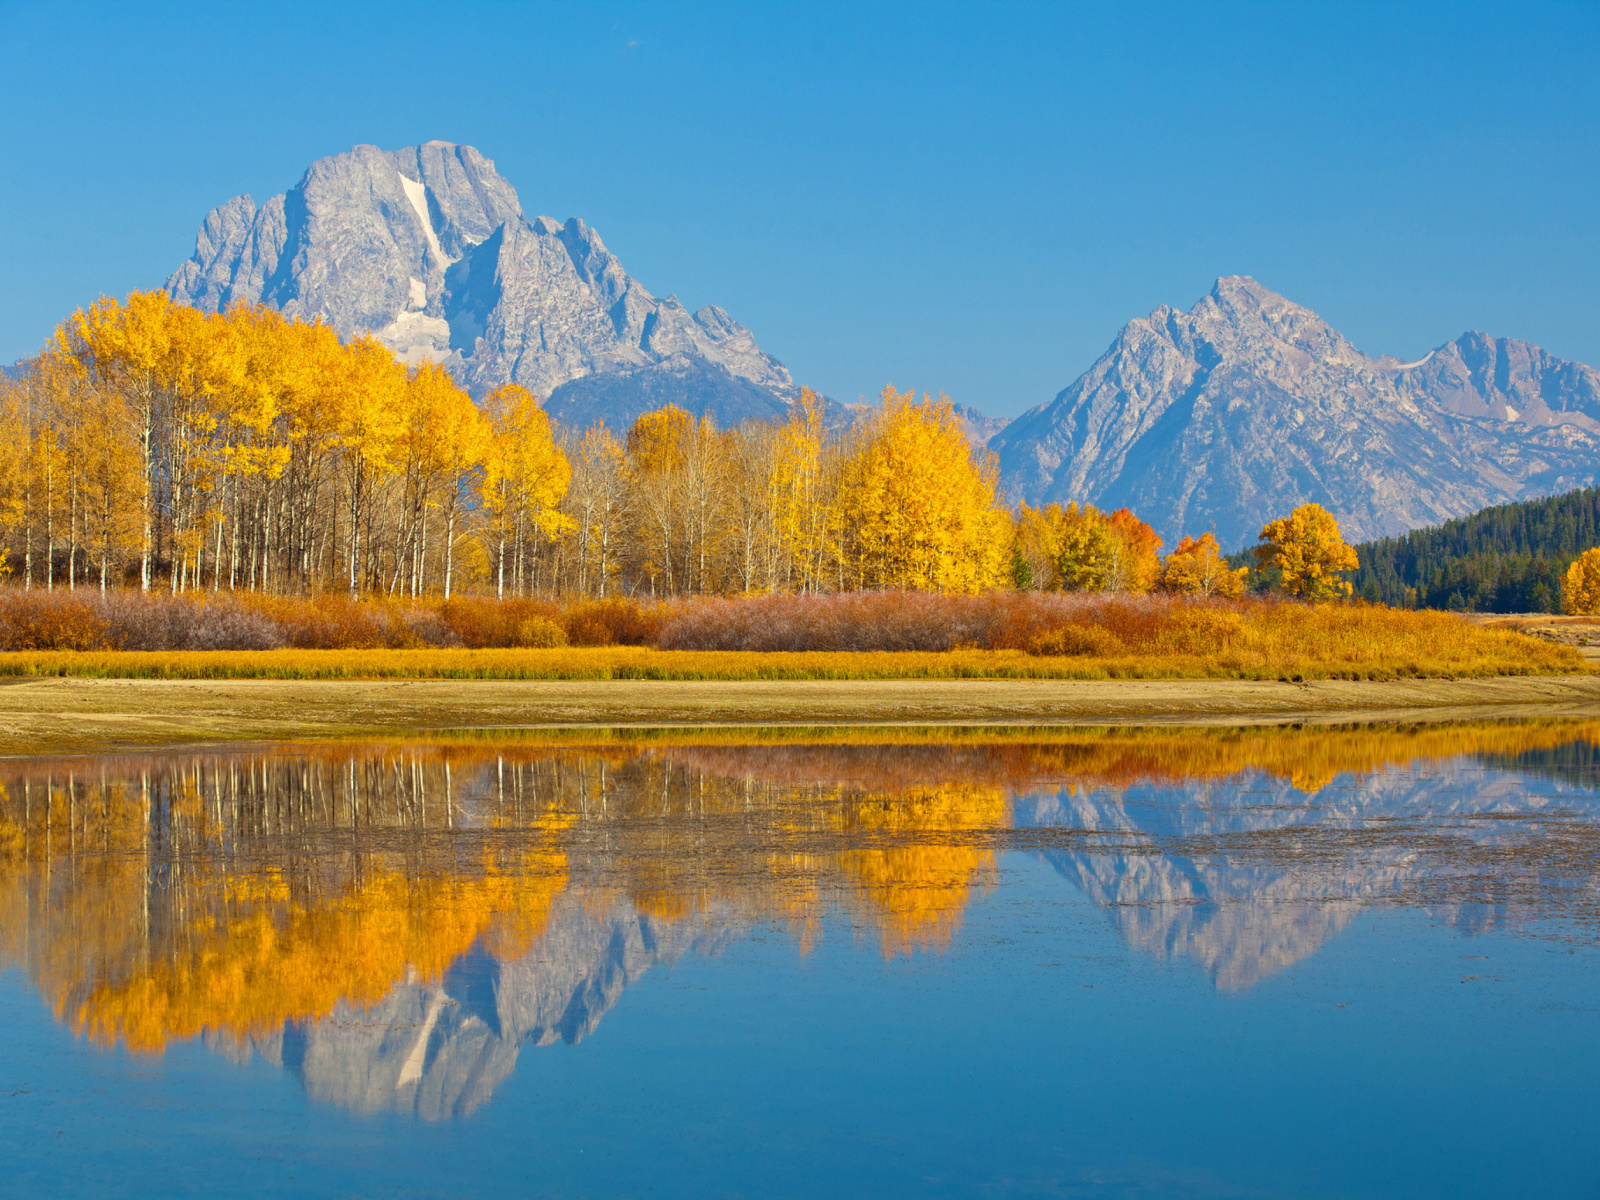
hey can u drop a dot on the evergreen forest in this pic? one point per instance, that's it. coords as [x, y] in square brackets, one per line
[1505, 559]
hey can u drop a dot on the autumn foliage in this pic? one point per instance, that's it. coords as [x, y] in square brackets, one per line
[1580, 586]
[829, 636]
[152, 446]
[1307, 551]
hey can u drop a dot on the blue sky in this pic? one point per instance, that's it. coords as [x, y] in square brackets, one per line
[962, 197]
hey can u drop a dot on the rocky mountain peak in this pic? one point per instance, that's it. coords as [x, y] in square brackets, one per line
[428, 248]
[1248, 405]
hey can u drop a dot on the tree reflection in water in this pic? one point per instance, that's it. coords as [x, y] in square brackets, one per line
[394, 921]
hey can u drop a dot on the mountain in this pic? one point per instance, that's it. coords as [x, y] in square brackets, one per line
[979, 427]
[429, 248]
[1249, 405]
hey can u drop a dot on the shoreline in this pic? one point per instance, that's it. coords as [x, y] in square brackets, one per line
[60, 715]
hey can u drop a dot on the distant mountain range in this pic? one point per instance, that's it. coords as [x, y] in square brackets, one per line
[1217, 418]
[429, 248]
[1249, 405]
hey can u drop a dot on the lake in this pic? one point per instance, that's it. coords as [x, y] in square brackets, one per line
[1318, 962]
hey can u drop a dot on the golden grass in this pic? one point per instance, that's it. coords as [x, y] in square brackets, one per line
[1452, 648]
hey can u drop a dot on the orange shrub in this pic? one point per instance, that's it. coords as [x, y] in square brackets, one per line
[615, 621]
[481, 622]
[53, 621]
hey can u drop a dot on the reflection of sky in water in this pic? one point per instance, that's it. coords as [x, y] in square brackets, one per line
[868, 969]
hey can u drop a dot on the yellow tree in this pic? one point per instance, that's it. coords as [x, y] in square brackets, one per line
[750, 533]
[919, 511]
[251, 447]
[658, 456]
[305, 369]
[127, 348]
[369, 397]
[1580, 586]
[461, 451]
[525, 477]
[47, 384]
[597, 499]
[206, 388]
[1308, 552]
[442, 439]
[1036, 547]
[1088, 550]
[701, 495]
[103, 451]
[803, 501]
[15, 441]
[1196, 568]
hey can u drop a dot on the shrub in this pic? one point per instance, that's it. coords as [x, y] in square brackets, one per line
[53, 621]
[539, 633]
[1079, 639]
[482, 622]
[614, 621]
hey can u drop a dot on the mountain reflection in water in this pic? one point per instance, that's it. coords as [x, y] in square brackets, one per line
[394, 922]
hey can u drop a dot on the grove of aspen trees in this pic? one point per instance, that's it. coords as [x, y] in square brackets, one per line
[152, 445]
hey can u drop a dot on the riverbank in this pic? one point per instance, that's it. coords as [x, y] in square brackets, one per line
[70, 715]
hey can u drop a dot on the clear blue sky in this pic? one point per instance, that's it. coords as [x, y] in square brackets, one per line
[965, 197]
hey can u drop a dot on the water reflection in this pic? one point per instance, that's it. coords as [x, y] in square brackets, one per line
[396, 922]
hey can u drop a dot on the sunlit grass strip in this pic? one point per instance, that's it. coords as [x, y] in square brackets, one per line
[1482, 653]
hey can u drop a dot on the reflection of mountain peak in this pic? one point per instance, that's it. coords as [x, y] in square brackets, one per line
[440, 1049]
[1250, 878]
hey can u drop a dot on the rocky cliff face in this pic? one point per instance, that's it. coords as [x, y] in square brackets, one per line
[1248, 405]
[429, 249]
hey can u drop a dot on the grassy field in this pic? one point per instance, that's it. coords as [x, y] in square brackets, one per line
[1457, 650]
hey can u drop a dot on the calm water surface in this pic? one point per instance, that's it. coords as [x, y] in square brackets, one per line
[1348, 962]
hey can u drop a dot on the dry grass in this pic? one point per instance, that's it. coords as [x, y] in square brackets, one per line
[872, 635]
[1519, 657]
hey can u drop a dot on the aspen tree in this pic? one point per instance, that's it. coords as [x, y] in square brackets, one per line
[126, 348]
[368, 397]
[14, 446]
[525, 477]
[597, 500]
[1196, 568]
[1580, 586]
[805, 509]
[1308, 552]
[657, 454]
[919, 505]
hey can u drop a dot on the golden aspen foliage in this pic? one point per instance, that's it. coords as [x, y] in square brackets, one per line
[1580, 586]
[15, 447]
[366, 418]
[127, 348]
[1196, 568]
[102, 451]
[442, 438]
[658, 451]
[254, 452]
[807, 520]
[918, 507]
[1308, 551]
[1078, 548]
[525, 478]
[1135, 557]
[597, 501]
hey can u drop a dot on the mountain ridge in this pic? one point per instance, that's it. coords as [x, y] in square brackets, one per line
[429, 249]
[1249, 404]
